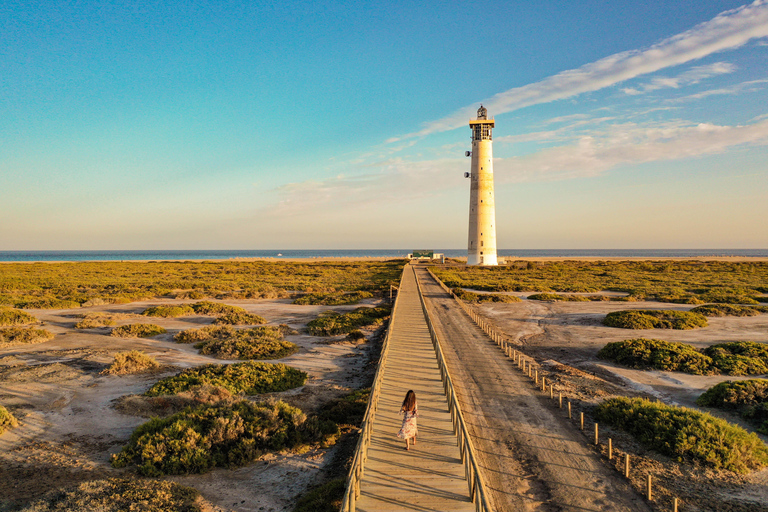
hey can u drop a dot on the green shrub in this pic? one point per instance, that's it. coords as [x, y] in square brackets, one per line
[239, 318]
[6, 420]
[748, 398]
[120, 495]
[24, 335]
[197, 440]
[323, 498]
[332, 299]
[657, 354]
[685, 434]
[16, 317]
[133, 361]
[558, 297]
[94, 320]
[137, 331]
[477, 298]
[347, 410]
[255, 343]
[654, 319]
[739, 357]
[726, 310]
[331, 323]
[215, 308]
[168, 311]
[250, 378]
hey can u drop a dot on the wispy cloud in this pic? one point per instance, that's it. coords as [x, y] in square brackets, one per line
[692, 76]
[728, 30]
[752, 85]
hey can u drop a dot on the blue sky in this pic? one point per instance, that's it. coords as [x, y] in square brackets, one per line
[269, 125]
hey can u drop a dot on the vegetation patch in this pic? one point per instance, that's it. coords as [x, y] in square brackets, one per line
[69, 285]
[687, 282]
[12, 317]
[348, 410]
[197, 440]
[214, 308]
[250, 378]
[331, 323]
[477, 298]
[727, 310]
[255, 343]
[685, 434]
[558, 297]
[332, 299]
[240, 318]
[657, 354]
[739, 357]
[95, 320]
[169, 311]
[323, 498]
[137, 331]
[747, 398]
[134, 361]
[165, 405]
[7, 420]
[24, 335]
[654, 319]
[121, 494]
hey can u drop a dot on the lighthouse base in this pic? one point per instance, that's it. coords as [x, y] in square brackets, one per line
[485, 260]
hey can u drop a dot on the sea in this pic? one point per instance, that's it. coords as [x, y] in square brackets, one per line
[32, 256]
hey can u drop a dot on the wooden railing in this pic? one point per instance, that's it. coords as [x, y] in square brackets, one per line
[477, 489]
[361, 451]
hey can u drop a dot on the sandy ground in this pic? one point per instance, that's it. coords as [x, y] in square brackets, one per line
[70, 428]
[571, 333]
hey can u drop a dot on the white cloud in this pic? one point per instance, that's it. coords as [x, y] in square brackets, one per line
[752, 85]
[689, 77]
[728, 30]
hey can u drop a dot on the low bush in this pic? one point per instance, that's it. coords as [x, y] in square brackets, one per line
[323, 498]
[169, 311]
[9, 317]
[214, 308]
[165, 405]
[331, 323]
[137, 331]
[332, 299]
[347, 410]
[654, 319]
[197, 440]
[739, 357]
[250, 378]
[239, 318]
[726, 310]
[748, 398]
[131, 362]
[685, 434]
[477, 298]
[657, 354]
[356, 335]
[24, 335]
[95, 320]
[255, 343]
[558, 297]
[121, 494]
[7, 420]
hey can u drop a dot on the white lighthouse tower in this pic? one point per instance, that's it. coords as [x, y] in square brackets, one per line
[482, 209]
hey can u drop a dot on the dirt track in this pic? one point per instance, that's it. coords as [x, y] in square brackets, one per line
[533, 459]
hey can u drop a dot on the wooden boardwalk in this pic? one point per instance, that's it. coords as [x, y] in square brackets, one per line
[430, 476]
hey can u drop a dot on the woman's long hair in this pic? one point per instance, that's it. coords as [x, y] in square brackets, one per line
[410, 401]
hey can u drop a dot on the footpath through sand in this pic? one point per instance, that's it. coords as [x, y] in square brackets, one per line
[430, 476]
[531, 458]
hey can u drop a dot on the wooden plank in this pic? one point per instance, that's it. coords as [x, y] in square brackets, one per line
[429, 477]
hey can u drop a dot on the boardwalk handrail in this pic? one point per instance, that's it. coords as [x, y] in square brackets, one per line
[361, 450]
[477, 488]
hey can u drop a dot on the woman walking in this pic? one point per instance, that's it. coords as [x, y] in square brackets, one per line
[410, 412]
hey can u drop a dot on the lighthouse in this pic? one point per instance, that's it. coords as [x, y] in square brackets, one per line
[482, 210]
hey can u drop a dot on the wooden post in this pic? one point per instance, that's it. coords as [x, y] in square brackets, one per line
[536, 376]
[569, 410]
[650, 491]
[551, 391]
[626, 465]
[581, 420]
[560, 397]
[674, 504]
[597, 438]
[543, 383]
[610, 449]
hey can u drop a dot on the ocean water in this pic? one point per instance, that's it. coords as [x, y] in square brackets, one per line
[30, 256]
